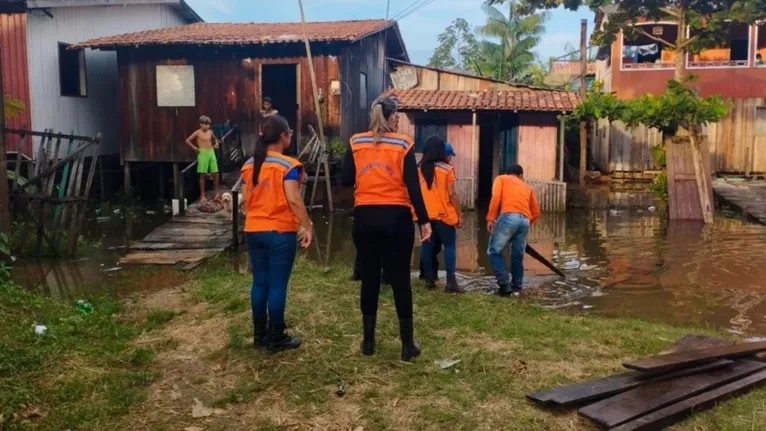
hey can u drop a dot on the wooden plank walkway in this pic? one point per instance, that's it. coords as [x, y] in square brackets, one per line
[187, 240]
[749, 198]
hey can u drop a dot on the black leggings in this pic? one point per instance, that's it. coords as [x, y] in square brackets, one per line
[384, 236]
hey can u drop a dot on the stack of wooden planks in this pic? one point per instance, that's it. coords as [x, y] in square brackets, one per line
[695, 374]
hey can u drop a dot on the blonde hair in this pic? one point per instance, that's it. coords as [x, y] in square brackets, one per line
[381, 112]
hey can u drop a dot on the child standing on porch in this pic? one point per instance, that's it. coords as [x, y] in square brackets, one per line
[207, 163]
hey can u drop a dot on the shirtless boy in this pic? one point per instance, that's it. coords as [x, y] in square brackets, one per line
[207, 143]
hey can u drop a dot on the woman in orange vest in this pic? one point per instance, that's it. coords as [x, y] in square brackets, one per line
[382, 166]
[275, 213]
[437, 182]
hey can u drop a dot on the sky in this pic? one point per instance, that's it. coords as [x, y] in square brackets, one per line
[420, 28]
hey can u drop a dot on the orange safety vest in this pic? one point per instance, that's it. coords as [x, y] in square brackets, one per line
[266, 203]
[437, 198]
[380, 169]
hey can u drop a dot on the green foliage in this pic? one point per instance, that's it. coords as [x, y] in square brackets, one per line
[598, 105]
[458, 47]
[660, 186]
[336, 147]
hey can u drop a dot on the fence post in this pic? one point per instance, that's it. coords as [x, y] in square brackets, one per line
[235, 219]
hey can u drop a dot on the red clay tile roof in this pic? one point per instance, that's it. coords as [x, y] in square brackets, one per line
[522, 99]
[242, 34]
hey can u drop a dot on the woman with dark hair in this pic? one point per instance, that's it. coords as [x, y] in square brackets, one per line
[382, 166]
[437, 182]
[275, 213]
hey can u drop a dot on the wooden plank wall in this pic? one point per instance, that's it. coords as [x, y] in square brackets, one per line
[13, 48]
[734, 146]
[226, 89]
[465, 141]
[551, 195]
[682, 183]
[429, 79]
[366, 56]
[538, 136]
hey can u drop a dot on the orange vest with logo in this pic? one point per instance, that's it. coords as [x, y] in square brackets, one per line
[266, 203]
[380, 169]
[437, 199]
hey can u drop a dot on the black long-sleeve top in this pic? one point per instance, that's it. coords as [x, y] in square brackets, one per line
[411, 181]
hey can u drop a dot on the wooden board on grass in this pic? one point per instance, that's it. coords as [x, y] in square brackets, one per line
[674, 413]
[167, 257]
[693, 357]
[594, 390]
[651, 397]
[217, 244]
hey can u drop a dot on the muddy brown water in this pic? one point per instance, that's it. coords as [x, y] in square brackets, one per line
[626, 261]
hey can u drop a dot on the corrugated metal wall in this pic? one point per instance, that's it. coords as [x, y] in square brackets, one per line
[97, 112]
[13, 48]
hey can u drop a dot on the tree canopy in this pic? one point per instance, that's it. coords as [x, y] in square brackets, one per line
[458, 47]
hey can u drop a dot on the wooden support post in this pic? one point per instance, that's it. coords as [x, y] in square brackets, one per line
[235, 219]
[583, 94]
[562, 139]
[126, 178]
[5, 217]
[475, 155]
[176, 181]
[317, 108]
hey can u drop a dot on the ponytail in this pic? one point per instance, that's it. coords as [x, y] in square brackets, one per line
[434, 151]
[380, 114]
[272, 128]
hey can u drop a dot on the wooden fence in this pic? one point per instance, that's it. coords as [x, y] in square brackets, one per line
[737, 143]
[51, 189]
[551, 195]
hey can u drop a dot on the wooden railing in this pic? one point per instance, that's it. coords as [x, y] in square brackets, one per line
[551, 195]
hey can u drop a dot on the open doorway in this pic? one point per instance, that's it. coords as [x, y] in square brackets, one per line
[280, 83]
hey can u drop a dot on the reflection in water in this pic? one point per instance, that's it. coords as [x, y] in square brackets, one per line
[630, 262]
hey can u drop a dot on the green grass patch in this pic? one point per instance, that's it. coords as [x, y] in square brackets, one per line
[81, 373]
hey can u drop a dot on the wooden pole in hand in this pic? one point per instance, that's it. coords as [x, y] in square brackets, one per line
[583, 93]
[317, 108]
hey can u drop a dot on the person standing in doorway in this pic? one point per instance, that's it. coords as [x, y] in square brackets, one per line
[515, 203]
[268, 108]
[275, 213]
[437, 182]
[382, 166]
[207, 164]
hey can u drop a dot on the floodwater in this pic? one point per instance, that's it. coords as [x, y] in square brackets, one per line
[623, 260]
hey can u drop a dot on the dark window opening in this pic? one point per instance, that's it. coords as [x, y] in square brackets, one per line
[426, 128]
[363, 103]
[72, 72]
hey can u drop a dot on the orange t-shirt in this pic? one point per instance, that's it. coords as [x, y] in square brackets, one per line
[380, 169]
[510, 194]
[266, 203]
[437, 198]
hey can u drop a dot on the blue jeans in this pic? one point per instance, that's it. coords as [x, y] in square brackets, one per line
[271, 256]
[509, 228]
[443, 235]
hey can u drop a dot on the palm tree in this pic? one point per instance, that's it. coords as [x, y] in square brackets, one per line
[518, 34]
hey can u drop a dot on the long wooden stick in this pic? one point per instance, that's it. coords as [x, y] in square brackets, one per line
[317, 108]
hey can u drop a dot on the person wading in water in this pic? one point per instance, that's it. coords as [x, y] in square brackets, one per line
[382, 166]
[437, 182]
[275, 213]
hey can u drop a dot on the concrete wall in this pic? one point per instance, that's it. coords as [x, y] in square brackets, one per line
[98, 111]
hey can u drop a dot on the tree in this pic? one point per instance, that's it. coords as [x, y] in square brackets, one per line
[457, 48]
[707, 21]
[519, 34]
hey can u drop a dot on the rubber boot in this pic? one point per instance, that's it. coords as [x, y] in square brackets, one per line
[430, 285]
[452, 286]
[357, 275]
[410, 349]
[260, 333]
[505, 290]
[280, 341]
[368, 342]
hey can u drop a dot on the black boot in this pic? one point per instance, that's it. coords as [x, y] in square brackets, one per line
[368, 343]
[505, 290]
[279, 340]
[452, 286]
[410, 349]
[430, 284]
[260, 333]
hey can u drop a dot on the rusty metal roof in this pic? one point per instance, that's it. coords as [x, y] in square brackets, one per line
[243, 34]
[522, 99]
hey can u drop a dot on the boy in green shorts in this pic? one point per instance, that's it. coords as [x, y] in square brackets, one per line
[207, 143]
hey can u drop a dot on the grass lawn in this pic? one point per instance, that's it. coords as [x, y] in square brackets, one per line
[171, 355]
